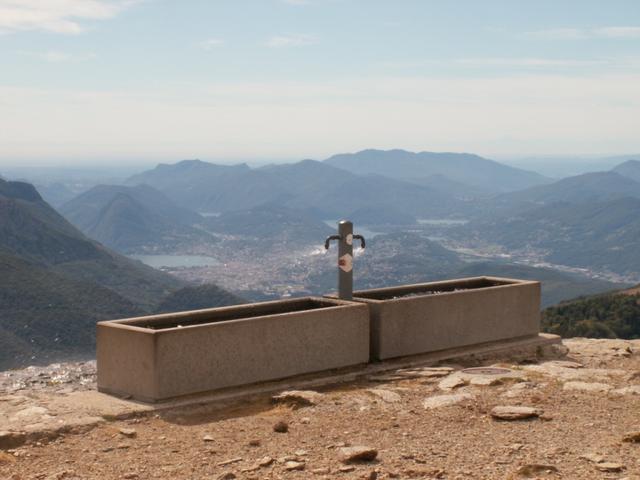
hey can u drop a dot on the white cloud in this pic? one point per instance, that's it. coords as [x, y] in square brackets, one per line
[618, 32]
[584, 33]
[558, 34]
[57, 56]
[279, 41]
[58, 16]
[528, 62]
[211, 43]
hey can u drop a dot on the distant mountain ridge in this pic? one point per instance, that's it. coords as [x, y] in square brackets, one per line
[465, 168]
[55, 283]
[316, 187]
[630, 169]
[133, 219]
[602, 235]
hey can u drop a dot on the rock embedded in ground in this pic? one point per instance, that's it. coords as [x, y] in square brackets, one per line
[451, 382]
[632, 437]
[298, 398]
[440, 401]
[128, 432]
[11, 439]
[357, 454]
[265, 461]
[515, 413]
[630, 390]
[534, 470]
[385, 395]
[609, 467]
[281, 427]
[587, 387]
[294, 466]
[227, 476]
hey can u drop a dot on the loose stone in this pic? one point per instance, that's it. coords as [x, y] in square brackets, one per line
[609, 467]
[281, 427]
[515, 413]
[265, 461]
[294, 466]
[298, 398]
[128, 432]
[357, 454]
[632, 437]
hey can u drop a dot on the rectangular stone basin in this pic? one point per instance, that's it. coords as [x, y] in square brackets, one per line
[428, 317]
[164, 356]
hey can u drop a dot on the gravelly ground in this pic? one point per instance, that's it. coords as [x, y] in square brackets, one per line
[458, 441]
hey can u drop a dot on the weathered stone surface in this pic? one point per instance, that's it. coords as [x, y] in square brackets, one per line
[451, 382]
[515, 412]
[299, 398]
[592, 457]
[281, 427]
[632, 437]
[11, 439]
[265, 461]
[294, 466]
[630, 390]
[440, 401]
[387, 396]
[520, 389]
[587, 386]
[357, 454]
[609, 467]
[128, 432]
[535, 470]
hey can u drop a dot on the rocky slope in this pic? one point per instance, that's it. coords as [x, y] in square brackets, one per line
[576, 417]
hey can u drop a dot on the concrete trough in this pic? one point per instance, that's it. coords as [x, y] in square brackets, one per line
[165, 356]
[429, 317]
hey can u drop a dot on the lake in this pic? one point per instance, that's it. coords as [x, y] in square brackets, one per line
[175, 261]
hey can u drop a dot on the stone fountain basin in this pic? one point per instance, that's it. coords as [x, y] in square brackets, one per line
[165, 356]
[428, 317]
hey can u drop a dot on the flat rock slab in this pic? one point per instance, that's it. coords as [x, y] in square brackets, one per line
[357, 454]
[631, 390]
[440, 401]
[385, 395]
[515, 413]
[501, 375]
[587, 387]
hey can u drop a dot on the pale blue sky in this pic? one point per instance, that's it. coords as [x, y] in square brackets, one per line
[97, 80]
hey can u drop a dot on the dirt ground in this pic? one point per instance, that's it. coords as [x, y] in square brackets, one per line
[584, 413]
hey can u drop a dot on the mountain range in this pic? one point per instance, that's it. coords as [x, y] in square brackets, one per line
[316, 187]
[55, 283]
[134, 219]
[463, 168]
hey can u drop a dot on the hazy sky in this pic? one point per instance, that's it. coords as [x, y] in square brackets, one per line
[126, 80]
